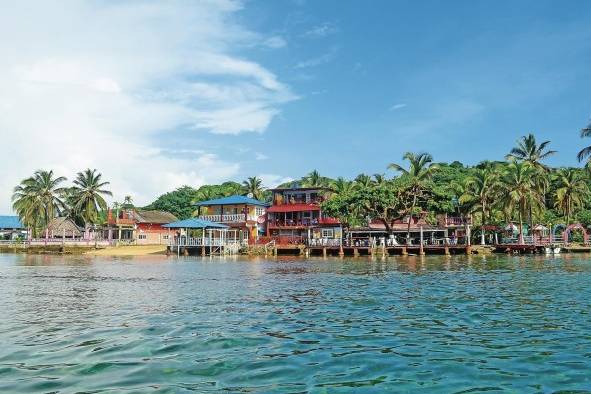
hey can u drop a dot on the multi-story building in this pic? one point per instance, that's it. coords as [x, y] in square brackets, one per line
[241, 213]
[296, 217]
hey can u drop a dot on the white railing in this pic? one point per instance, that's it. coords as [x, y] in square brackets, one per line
[324, 242]
[68, 242]
[184, 241]
[234, 218]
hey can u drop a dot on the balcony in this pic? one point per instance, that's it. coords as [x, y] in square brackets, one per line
[234, 218]
[302, 222]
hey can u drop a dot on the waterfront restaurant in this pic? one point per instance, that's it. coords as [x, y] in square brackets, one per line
[296, 218]
[241, 213]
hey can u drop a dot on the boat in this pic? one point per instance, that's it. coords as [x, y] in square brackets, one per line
[552, 250]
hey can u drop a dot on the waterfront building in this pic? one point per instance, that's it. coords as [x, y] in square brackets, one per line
[11, 228]
[296, 217]
[241, 213]
[139, 226]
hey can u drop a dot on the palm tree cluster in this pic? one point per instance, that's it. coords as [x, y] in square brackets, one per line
[41, 197]
[522, 189]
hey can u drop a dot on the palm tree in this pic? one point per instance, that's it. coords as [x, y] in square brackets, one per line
[420, 170]
[313, 179]
[38, 199]
[521, 191]
[87, 195]
[585, 152]
[480, 193]
[127, 202]
[529, 151]
[572, 191]
[363, 180]
[341, 186]
[379, 178]
[253, 186]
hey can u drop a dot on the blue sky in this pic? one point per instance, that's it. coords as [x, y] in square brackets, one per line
[157, 95]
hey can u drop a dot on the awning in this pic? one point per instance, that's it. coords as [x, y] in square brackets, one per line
[195, 223]
[294, 208]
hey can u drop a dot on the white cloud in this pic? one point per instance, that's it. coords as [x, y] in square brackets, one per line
[397, 106]
[96, 84]
[319, 60]
[275, 42]
[323, 30]
[260, 156]
[273, 180]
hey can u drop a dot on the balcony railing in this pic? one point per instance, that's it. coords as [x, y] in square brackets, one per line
[458, 221]
[234, 218]
[301, 222]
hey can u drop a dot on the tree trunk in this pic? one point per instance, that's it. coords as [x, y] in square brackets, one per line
[521, 241]
[482, 235]
[412, 208]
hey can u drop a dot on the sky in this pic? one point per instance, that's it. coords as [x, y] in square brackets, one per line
[156, 95]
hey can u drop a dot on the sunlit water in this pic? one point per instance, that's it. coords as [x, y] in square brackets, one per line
[157, 324]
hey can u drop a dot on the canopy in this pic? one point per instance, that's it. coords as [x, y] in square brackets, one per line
[195, 223]
[540, 227]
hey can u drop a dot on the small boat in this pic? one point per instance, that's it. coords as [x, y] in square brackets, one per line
[552, 250]
[556, 250]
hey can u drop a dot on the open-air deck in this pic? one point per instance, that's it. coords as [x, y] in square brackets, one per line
[232, 218]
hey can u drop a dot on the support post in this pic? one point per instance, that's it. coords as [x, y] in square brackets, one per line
[421, 248]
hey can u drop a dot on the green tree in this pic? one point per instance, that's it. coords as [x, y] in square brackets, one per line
[585, 152]
[521, 191]
[87, 195]
[572, 191]
[481, 192]
[314, 179]
[38, 199]
[420, 170]
[178, 202]
[254, 186]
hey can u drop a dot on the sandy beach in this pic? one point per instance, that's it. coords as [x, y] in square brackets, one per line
[131, 250]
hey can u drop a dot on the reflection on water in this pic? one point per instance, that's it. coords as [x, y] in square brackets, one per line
[71, 324]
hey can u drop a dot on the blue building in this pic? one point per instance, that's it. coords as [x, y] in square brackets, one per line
[11, 228]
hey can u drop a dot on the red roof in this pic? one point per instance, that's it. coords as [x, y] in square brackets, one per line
[294, 208]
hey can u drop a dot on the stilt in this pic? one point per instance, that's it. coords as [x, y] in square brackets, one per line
[468, 250]
[446, 249]
[404, 251]
[185, 252]
[421, 250]
[355, 252]
[324, 252]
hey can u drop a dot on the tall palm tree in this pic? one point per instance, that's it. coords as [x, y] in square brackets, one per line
[253, 186]
[480, 193]
[529, 151]
[421, 168]
[521, 191]
[585, 152]
[127, 202]
[572, 191]
[38, 199]
[379, 178]
[87, 195]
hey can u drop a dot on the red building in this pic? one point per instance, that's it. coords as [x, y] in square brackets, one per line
[296, 217]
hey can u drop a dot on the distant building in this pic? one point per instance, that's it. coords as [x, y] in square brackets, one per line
[139, 226]
[245, 214]
[11, 228]
[296, 216]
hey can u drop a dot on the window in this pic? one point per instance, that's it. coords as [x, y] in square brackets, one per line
[327, 233]
[259, 211]
[142, 236]
[165, 236]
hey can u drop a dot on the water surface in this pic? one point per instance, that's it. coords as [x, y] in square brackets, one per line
[157, 324]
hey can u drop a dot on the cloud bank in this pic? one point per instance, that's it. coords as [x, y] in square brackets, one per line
[106, 84]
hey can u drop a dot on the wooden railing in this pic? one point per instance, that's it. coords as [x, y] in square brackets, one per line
[233, 218]
[458, 221]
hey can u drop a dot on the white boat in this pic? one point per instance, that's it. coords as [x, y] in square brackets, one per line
[556, 250]
[552, 250]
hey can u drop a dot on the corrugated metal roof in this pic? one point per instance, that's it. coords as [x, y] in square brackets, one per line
[195, 223]
[154, 217]
[233, 200]
[11, 222]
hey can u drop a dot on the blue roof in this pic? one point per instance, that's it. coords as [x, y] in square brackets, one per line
[233, 200]
[194, 223]
[11, 222]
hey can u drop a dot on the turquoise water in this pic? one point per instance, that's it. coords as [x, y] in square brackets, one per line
[157, 324]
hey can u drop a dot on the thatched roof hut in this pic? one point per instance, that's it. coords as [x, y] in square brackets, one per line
[60, 227]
